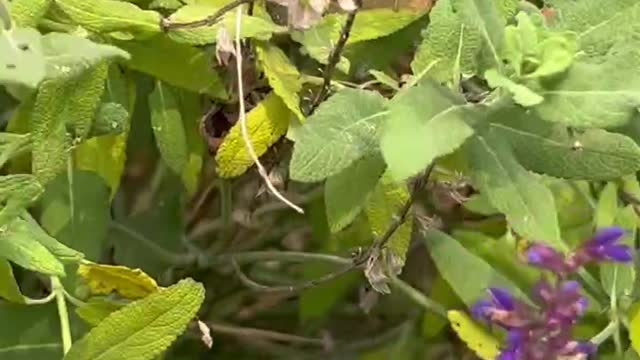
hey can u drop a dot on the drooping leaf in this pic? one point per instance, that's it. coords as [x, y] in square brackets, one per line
[598, 25]
[142, 329]
[165, 59]
[266, 123]
[76, 212]
[168, 128]
[346, 193]
[111, 16]
[69, 55]
[474, 335]
[105, 279]
[64, 253]
[21, 60]
[454, 263]
[27, 13]
[417, 130]
[283, 76]
[252, 26]
[550, 149]
[521, 94]
[18, 246]
[594, 95]
[341, 131]
[387, 198]
[527, 204]
[9, 289]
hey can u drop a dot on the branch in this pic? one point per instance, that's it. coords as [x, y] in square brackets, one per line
[244, 332]
[167, 25]
[288, 256]
[290, 288]
[243, 121]
[334, 57]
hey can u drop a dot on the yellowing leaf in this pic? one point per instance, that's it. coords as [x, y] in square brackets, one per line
[143, 329]
[283, 76]
[266, 123]
[476, 337]
[104, 279]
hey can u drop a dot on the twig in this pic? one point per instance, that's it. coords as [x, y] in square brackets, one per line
[288, 256]
[246, 332]
[419, 297]
[243, 120]
[334, 57]
[166, 24]
[290, 288]
[166, 255]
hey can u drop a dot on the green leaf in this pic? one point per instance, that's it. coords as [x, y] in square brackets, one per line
[556, 54]
[454, 263]
[283, 76]
[342, 130]
[190, 105]
[143, 329]
[252, 26]
[266, 123]
[69, 55]
[484, 17]
[318, 41]
[550, 149]
[527, 204]
[13, 145]
[19, 191]
[195, 75]
[520, 41]
[619, 279]
[18, 246]
[346, 192]
[448, 45]
[97, 309]
[598, 25]
[594, 95]
[27, 13]
[76, 212]
[111, 119]
[83, 101]
[607, 206]
[414, 135]
[382, 207]
[105, 279]
[168, 129]
[474, 335]
[111, 16]
[9, 288]
[21, 59]
[64, 253]
[34, 332]
[521, 94]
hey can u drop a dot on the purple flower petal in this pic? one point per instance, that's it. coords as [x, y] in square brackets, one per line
[502, 299]
[620, 253]
[481, 309]
[546, 257]
[606, 236]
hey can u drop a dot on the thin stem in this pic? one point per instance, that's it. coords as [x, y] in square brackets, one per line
[63, 313]
[166, 24]
[246, 332]
[605, 334]
[166, 255]
[243, 121]
[282, 256]
[418, 297]
[334, 57]
[45, 300]
[592, 286]
[72, 299]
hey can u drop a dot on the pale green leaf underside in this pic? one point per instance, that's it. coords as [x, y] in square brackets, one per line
[166, 122]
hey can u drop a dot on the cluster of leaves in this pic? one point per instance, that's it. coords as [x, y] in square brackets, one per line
[509, 122]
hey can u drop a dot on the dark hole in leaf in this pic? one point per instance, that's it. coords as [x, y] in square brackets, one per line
[23, 47]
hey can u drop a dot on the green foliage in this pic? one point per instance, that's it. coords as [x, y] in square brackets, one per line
[144, 328]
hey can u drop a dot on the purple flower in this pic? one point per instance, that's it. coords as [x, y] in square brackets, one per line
[546, 257]
[502, 309]
[603, 246]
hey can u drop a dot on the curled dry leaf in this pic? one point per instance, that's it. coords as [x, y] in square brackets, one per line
[304, 13]
[347, 5]
[224, 47]
[206, 334]
[379, 264]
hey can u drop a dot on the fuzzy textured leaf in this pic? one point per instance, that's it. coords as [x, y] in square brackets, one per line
[527, 203]
[521, 94]
[166, 60]
[168, 129]
[105, 279]
[415, 133]
[144, 328]
[283, 76]
[266, 123]
[21, 59]
[347, 192]
[27, 13]
[18, 246]
[342, 130]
